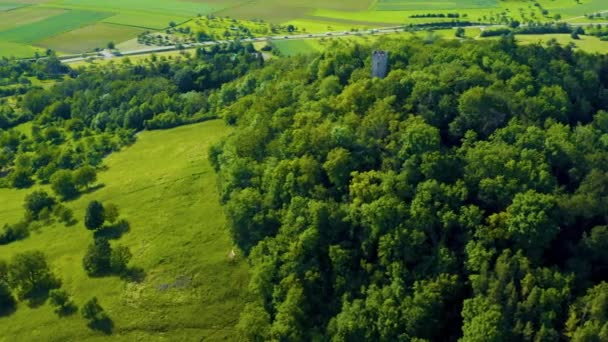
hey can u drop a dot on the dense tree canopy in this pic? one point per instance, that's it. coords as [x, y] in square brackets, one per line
[462, 197]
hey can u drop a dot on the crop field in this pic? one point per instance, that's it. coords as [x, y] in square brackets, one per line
[8, 6]
[26, 15]
[405, 5]
[75, 26]
[89, 37]
[9, 49]
[165, 187]
[585, 43]
[52, 26]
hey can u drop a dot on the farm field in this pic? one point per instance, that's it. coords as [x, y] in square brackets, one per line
[51, 26]
[89, 37]
[585, 43]
[165, 187]
[74, 26]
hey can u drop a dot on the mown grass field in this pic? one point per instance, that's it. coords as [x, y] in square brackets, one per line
[165, 187]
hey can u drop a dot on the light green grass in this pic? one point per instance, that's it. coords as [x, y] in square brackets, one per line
[166, 189]
[585, 43]
[51, 26]
[295, 47]
[571, 8]
[8, 6]
[433, 5]
[9, 49]
[179, 8]
[145, 20]
[89, 38]
[319, 26]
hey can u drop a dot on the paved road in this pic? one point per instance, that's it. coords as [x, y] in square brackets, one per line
[385, 30]
[247, 40]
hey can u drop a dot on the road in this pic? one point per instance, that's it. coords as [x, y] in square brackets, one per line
[154, 49]
[385, 30]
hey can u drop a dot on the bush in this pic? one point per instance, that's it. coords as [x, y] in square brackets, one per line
[63, 184]
[85, 176]
[119, 259]
[62, 302]
[31, 276]
[97, 317]
[164, 120]
[96, 261]
[94, 216]
[7, 301]
[64, 214]
[21, 179]
[14, 232]
[36, 202]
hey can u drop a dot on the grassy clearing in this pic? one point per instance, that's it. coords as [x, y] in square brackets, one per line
[51, 26]
[166, 188]
[585, 43]
[295, 47]
[90, 37]
[571, 8]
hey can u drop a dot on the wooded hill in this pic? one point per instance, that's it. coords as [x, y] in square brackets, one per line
[462, 197]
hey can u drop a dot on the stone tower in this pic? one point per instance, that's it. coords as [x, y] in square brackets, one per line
[379, 64]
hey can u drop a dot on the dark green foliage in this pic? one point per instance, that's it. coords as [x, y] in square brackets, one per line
[30, 276]
[97, 318]
[94, 215]
[62, 302]
[85, 176]
[63, 184]
[36, 202]
[21, 178]
[96, 261]
[14, 232]
[101, 259]
[462, 197]
[7, 301]
[119, 259]
[81, 119]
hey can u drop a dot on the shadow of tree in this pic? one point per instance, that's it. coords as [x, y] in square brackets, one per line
[92, 189]
[7, 309]
[104, 324]
[134, 274]
[114, 231]
[67, 310]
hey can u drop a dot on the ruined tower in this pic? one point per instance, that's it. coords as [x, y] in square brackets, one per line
[379, 64]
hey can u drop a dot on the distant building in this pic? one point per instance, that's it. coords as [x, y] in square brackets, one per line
[379, 64]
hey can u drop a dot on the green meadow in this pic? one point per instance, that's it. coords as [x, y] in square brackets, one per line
[166, 188]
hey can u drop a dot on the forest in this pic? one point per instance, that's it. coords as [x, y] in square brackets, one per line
[461, 198]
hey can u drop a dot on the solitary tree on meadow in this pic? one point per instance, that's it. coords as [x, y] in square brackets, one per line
[94, 216]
